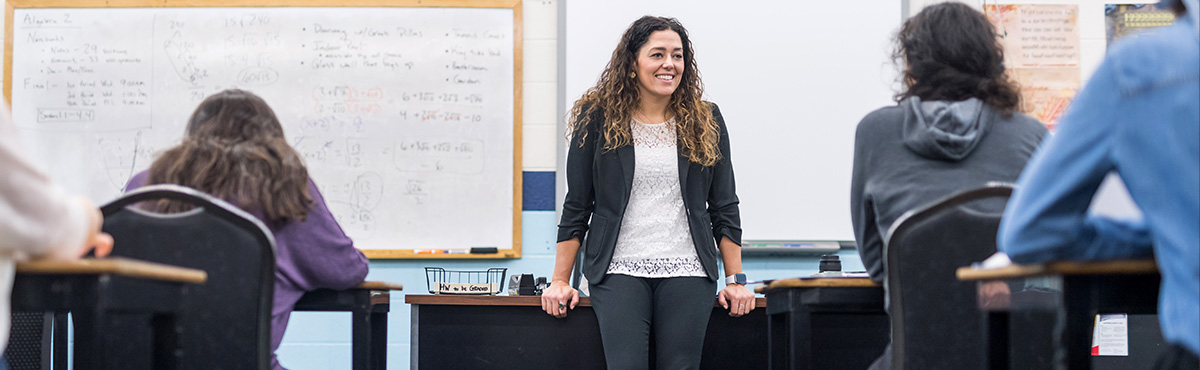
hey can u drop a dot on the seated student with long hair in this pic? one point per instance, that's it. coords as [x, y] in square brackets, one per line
[234, 149]
[954, 128]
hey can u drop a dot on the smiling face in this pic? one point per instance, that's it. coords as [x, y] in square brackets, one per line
[659, 65]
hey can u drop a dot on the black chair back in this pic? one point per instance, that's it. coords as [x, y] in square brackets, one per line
[226, 322]
[936, 322]
[28, 342]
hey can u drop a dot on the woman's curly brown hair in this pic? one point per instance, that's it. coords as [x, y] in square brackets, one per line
[617, 97]
[234, 149]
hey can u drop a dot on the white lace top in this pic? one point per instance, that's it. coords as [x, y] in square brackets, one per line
[654, 241]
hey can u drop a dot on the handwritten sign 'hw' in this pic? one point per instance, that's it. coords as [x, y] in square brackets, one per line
[465, 288]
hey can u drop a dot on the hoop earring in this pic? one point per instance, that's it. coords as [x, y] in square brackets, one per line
[632, 74]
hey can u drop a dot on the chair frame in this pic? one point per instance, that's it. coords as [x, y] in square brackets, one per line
[231, 214]
[899, 228]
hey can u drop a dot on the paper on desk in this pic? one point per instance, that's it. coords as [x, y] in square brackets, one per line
[996, 261]
[841, 274]
[1111, 335]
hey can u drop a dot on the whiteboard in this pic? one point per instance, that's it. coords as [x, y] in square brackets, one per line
[405, 117]
[792, 78]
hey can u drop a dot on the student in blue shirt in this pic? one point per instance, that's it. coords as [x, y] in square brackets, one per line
[1139, 115]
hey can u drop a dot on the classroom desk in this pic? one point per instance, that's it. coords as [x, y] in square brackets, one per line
[825, 323]
[368, 304]
[512, 332]
[96, 290]
[1076, 291]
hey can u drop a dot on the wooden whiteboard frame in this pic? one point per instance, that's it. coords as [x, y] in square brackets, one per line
[518, 38]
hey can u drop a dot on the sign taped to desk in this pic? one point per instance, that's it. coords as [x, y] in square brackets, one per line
[464, 288]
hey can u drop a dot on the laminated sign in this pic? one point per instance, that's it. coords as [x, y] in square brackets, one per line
[465, 288]
[1111, 336]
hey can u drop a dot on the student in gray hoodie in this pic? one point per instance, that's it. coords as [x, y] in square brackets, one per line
[954, 128]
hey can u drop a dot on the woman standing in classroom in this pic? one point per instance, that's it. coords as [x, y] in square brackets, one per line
[651, 198]
[955, 128]
[234, 149]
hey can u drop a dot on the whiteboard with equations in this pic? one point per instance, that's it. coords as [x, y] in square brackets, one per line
[407, 117]
[792, 78]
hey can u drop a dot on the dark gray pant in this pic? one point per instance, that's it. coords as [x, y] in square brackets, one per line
[676, 310]
[1176, 357]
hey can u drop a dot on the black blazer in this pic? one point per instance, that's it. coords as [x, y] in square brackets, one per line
[598, 187]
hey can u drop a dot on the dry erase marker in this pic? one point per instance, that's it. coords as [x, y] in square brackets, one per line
[455, 251]
[425, 251]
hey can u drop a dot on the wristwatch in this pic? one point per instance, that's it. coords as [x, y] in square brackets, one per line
[738, 278]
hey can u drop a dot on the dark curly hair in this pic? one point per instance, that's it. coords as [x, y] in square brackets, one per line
[234, 149]
[951, 52]
[616, 95]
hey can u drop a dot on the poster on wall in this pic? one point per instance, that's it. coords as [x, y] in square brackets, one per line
[1041, 51]
[1133, 20]
[1046, 92]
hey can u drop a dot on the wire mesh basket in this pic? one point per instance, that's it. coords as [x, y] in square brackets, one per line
[443, 281]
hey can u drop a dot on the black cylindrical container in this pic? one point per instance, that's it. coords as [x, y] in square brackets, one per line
[830, 262]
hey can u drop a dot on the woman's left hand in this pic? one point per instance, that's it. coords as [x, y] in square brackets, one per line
[737, 299]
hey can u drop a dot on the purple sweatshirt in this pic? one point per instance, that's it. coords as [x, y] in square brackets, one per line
[309, 255]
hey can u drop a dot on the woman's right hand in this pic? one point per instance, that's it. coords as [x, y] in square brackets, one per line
[558, 298]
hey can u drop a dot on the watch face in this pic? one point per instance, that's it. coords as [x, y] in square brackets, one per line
[736, 279]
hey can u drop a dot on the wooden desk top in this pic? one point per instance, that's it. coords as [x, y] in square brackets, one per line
[504, 300]
[378, 285]
[1132, 267]
[116, 266]
[820, 282]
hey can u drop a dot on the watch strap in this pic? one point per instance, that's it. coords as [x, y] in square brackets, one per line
[738, 278]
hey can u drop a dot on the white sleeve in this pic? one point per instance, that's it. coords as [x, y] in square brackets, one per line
[36, 217]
